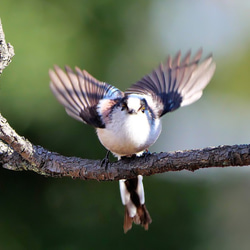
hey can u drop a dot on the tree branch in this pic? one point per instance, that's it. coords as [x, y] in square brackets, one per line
[6, 51]
[17, 153]
[22, 155]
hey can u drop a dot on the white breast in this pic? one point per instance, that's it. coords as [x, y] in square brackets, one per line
[129, 134]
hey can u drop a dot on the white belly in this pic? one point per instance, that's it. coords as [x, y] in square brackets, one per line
[130, 135]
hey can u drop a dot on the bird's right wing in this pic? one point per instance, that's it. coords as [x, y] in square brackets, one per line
[80, 94]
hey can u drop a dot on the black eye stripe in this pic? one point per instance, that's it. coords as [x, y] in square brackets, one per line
[123, 105]
[144, 104]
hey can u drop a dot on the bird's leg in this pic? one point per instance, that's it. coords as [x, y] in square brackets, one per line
[145, 153]
[129, 157]
[105, 161]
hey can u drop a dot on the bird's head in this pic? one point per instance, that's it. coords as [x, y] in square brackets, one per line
[133, 104]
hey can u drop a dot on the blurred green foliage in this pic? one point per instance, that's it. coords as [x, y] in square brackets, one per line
[46, 213]
[114, 41]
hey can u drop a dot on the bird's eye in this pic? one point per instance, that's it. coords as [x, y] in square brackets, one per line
[143, 105]
[143, 109]
[124, 106]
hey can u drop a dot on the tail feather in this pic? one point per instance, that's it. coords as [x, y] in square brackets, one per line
[132, 195]
[144, 216]
[127, 225]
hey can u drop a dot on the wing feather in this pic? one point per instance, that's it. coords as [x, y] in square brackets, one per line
[176, 83]
[80, 93]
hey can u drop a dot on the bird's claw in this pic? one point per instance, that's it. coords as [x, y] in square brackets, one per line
[105, 161]
[146, 153]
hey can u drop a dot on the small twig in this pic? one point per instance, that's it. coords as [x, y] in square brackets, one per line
[6, 51]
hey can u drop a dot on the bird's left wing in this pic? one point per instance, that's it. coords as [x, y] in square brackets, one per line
[176, 83]
[80, 94]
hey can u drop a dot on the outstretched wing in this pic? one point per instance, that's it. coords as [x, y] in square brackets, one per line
[80, 94]
[176, 83]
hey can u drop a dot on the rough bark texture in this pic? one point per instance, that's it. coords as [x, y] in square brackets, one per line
[17, 153]
[6, 51]
[22, 155]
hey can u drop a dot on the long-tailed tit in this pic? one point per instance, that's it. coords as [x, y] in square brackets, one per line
[127, 123]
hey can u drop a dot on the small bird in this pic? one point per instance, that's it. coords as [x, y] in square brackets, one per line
[128, 123]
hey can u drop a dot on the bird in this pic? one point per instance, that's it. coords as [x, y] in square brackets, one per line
[128, 123]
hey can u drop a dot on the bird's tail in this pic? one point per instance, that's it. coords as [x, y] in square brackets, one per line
[133, 198]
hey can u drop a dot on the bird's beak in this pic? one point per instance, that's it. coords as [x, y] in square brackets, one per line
[131, 111]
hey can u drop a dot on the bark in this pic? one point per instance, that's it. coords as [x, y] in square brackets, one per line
[6, 51]
[17, 153]
[20, 154]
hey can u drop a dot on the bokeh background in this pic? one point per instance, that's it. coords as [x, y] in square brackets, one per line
[119, 42]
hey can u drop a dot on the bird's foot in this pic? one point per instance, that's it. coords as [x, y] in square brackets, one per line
[129, 157]
[146, 153]
[105, 161]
